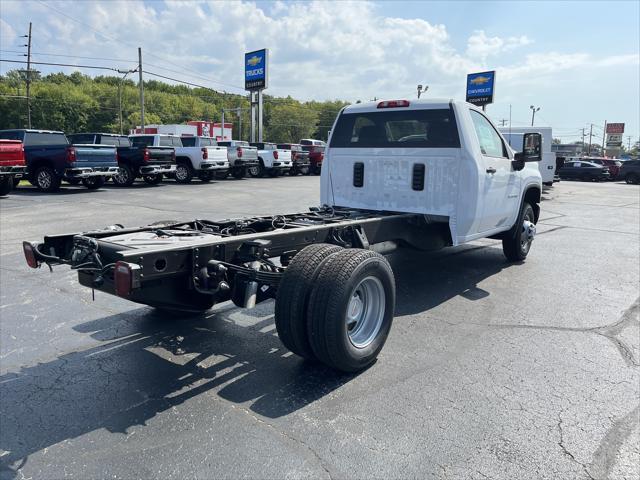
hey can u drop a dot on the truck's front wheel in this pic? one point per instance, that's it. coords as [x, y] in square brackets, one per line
[351, 309]
[517, 241]
[184, 173]
[46, 180]
[293, 297]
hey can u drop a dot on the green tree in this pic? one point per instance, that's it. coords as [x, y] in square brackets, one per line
[290, 122]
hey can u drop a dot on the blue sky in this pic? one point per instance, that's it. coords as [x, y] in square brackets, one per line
[579, 61]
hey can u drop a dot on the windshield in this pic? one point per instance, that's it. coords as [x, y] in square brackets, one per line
[388, 129]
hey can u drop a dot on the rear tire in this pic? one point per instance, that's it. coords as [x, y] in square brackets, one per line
[632, 178]
[239, 173]
[517, 242]
[6, 185]
[152, 179]
[351, 309]
[93, 183]
[205, 177]
[184, 173]
[125, 177]
[293, 297]
[46, 180]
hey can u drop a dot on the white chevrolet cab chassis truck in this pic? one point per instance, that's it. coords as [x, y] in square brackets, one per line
[416, 174]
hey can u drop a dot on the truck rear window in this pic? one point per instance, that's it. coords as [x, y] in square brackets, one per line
[397, 129]
[115, 141]
[141, 141]
[36, 138]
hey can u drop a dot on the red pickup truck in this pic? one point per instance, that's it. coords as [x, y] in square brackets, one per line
[12, 164]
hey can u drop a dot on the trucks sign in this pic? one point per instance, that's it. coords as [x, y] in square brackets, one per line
[256, 69]
[616, 128]
[480, 87]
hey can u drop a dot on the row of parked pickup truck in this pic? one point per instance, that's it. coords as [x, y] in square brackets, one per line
[47, 158]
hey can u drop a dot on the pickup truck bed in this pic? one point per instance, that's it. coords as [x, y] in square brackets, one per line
[12, 164]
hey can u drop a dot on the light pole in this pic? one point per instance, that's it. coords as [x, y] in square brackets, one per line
[126, 72]
[422, 90]
[533, 113]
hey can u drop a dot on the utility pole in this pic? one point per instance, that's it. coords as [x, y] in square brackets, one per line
[604, 134]
[29, 78]
[629, 142]
[141, 89]
[583, 141]
[120, 87]
[239, 123]
[590, 135]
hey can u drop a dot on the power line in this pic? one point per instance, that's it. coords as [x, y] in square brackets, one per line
[62, 64]
[113, 39]
[70, 56]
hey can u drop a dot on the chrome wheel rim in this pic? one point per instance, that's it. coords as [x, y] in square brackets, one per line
[365, 312]
[181, 172]
[122, 176]
[44, 179]
[528, 234]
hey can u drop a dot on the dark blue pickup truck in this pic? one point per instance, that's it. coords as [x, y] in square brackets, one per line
[50, 159]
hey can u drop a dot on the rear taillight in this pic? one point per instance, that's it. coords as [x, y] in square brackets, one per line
[275, 154]
[173, 156]
[117, 157]
[71, 155]
[125, 278]
[146, 155]
[30, 254]
[239, 151]
[393, 103]
[205, 154]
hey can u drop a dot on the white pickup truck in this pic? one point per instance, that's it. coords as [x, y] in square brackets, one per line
[273, 161]
[419, 174]
[200, 156]
[241, 156]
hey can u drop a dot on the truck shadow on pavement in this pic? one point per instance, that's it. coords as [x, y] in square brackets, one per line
[148, 363]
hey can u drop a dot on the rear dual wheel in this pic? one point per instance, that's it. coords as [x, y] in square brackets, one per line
[336, 306]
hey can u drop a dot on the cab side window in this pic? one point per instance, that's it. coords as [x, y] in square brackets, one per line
[490, 142]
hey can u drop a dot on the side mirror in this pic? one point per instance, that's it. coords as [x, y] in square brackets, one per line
[531, 148]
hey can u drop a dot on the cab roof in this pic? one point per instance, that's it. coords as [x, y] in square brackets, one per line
[414, 104]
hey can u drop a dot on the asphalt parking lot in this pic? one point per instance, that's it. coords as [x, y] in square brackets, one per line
[491, 370]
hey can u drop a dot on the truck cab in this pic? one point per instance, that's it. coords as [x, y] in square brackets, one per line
[441, 158]
[272, 161]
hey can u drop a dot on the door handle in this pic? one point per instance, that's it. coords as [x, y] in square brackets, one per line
[491, 170]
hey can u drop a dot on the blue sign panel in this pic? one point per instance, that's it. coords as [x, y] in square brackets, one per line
[480, 87]
[255, 69]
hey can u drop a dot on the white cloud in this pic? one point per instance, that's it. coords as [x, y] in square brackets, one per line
[319, 50]
[479, 45]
